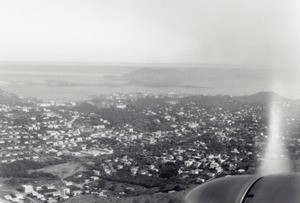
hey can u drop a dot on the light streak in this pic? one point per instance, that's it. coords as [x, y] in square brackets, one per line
[275, 159]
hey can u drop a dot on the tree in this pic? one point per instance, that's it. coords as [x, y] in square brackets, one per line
[168, 170]
[102, 184]
[172, 201]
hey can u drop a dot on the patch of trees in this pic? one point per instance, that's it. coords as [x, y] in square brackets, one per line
[176, 197]
[54, 161]
[40, 174]
[135, 116]
[21, 121]
[142, 180]
[149, 103]
[120, 117]
[19, 169]
[85, 107]
[168, 170]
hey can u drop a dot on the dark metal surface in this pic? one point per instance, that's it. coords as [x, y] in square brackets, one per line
[230, 189]
[283, 188]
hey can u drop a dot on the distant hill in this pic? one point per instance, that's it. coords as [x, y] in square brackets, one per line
[12, 99]
[263, 98]
[188, 77]
[151, 77]
[213, 101]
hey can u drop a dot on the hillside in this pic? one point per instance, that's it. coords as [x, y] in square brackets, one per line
[208, 101]
[134, 114]
[188, 77]
[263, 98]
[85, 107]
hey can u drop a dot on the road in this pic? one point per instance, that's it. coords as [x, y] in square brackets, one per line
[74, 119]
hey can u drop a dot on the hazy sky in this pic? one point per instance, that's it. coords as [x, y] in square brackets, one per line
[261, 32]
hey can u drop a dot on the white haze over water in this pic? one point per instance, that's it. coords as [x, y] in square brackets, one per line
[246, 81]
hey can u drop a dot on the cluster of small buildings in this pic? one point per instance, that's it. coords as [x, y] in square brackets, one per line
[206, 142]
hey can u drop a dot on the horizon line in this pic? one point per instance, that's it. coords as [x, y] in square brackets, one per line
[154, 65]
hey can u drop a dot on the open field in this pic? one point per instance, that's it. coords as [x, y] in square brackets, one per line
[6, 189]
[61, 170]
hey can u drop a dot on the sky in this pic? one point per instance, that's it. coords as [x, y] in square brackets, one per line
[248, 32]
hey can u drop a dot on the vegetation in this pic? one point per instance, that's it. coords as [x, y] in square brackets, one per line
[19, 169]
[142, 180]
[153, 198]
